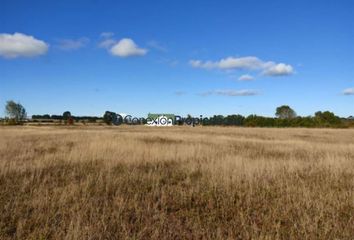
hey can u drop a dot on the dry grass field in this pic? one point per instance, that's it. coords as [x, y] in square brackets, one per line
[176, 183]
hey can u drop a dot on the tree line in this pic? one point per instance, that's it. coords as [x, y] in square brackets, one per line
[285, 116]
[321, 119]
[65, 117]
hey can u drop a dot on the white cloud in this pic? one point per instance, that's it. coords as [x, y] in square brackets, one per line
[348, 91]
[246, 77]
[21, 45]
[231, 93]
[72, 44]
[268, 68]
[126, 47]
[205, 65]
[249, 63]
[279, 69]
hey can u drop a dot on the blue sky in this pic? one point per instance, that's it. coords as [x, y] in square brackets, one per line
[197, 57]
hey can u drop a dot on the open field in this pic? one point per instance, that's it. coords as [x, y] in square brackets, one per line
[176, 183]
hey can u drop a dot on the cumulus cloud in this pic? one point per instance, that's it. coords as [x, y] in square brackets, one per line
[231, 93]
[268, 68]
[126, 47]
[280, 69]
[246, 77]
[21, 45]
[72, 44]
[348, 91]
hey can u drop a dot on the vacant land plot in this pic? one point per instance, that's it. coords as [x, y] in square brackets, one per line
[176, 183]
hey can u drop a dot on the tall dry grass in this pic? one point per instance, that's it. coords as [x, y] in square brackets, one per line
[176, 183]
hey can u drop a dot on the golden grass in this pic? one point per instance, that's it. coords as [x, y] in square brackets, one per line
[176, 183]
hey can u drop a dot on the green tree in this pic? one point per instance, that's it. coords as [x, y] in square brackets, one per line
[285, 112]
[15, 111]
[327, 118]
[236, 120]
[110, 118]
[66, 115]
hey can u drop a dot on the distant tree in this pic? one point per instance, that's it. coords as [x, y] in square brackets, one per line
[251, 120]
[66, 115]
[15, 111]
[56, 117]
[285, 112]
[45, 116]
[327, 118]
[259, 121]
[216, 120]
[110, 118]
[236, 120]
[68, 119]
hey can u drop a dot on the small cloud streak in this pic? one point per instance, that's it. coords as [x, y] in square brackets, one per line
[251, 63]
[156, 45]
[231, 93]
[235, 93]
[246, 77]
[72, 44]
[348, 91]
[107, 34]
[107, 43]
